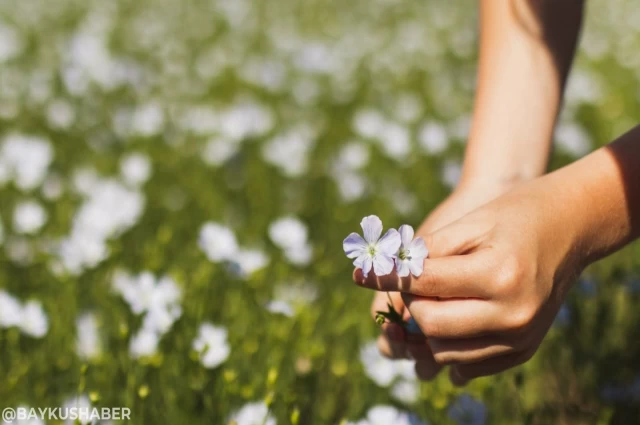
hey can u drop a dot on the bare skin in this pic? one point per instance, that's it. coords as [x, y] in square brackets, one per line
[508, 243]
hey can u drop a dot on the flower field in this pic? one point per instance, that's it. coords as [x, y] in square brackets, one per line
[177, 179]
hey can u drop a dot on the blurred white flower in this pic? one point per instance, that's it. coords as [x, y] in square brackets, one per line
[145, 293]
[83, 406]
[382, 370]
[60, 114]
[88, 344]
[52, 188]
[245, 120]
[291, 235]
[573, 139]
[218, 242]
[299, 256]
[29, 217]
[147, 120]
[433, 138]
[212, 345]
[250, 260]
[386, 415]
[34, 321]
[368, 123]
[395, 141]
[135, 169]
[280, 307]
[406, 391]
[27, 159]
[353, 156]
[288, 232]
[289, 151]
[255, 413]
[451, 172]
[11, 44]
[110, 209]
[351, 185]
[144, 343]
[19, 250]
[219, 150]
[10, 310]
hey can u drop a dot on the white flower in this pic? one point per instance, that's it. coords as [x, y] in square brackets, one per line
[406, 391]
[280, 307]
[212, 345]
[299, 256]
[353, 156]
[382, 370]
[88, 344]
[144, 343]
[11, 43]
[372, 251]
[466, 410]
[29, 217]
[249, 261]
[34, 321]
[10, 310]
[368, 123]
[135, 169]
[396, 141]
[83, 405]
[27, 158]
[386, 415]
[147, 120]
[219, 150]
[256, 413]
[451, 173]
[288, 232]
[573, 139]
[433, 138]
[412, 252]
[289, 151]
[218, 242]
[60, 114]
[144, 293]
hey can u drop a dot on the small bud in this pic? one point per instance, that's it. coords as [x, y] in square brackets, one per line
[380, 319]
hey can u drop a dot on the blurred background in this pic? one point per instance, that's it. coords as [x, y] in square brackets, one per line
[176, 179]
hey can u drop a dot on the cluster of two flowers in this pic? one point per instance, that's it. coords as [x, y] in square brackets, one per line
[397, 248]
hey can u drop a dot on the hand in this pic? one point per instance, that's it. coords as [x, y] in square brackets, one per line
[394, 342]
[495, 279]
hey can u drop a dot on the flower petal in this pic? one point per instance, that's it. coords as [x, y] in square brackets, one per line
[382, 264]
[371, 228]
[402, 267]
[366, 265]
[416, 265]
[406, 235]
[389, 243]
[418, 248]
[354, 245]
[359, 262]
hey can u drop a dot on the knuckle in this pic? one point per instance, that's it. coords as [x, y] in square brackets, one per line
[508, 276]
[521, 318]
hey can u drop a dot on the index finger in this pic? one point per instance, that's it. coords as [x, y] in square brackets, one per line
[457, 276]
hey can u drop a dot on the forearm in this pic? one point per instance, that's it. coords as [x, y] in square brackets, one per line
[526, 50]
[601, 193]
